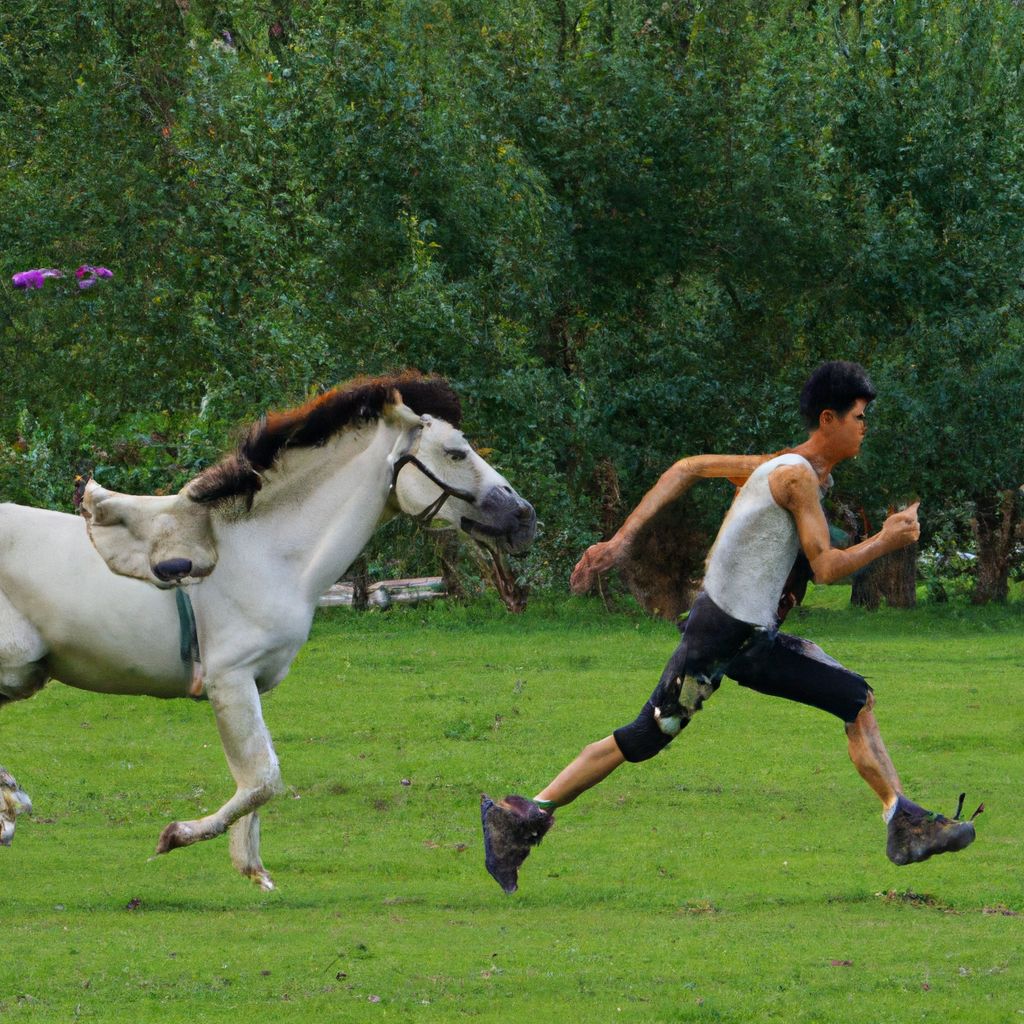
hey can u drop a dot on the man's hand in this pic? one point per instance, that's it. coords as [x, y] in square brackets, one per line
[598, 558]
[901, 528]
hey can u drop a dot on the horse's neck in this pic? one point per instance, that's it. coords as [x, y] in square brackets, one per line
[316, 511]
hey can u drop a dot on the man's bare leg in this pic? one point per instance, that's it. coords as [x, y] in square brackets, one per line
[871, 759]
[914, 833]
[594, 763]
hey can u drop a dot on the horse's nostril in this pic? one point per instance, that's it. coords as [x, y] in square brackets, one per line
[172, 569]
[525, 513]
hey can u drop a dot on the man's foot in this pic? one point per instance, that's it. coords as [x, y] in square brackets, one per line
[13, 801]
[916, 834]
[512, 827]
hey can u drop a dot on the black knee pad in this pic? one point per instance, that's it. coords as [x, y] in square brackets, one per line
[641, 739]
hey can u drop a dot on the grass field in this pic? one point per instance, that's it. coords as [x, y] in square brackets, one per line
[740, 876]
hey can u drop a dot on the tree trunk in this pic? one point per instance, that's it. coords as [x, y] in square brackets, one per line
[996, 525]
[899, 577]
[866, 592]
[360, 575]
[666, 562]
[892, 577]
[513, 594]
[448, 554]
[606, 477]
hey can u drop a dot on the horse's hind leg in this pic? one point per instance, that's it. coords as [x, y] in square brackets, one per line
[13, 801]
[22, 673]
[15, 684]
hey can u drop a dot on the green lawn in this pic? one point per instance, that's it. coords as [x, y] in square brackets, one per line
[740, 876]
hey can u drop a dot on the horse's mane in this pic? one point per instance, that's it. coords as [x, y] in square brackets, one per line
[240, 474]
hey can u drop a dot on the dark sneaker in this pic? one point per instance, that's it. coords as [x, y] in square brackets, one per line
[916, 834]
[512, 827]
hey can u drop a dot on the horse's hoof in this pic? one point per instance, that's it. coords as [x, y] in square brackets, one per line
[176, 834]
[13, 801]
[262, 880]
[12, 796]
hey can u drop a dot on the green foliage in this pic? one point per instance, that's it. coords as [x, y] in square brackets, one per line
[626, 231]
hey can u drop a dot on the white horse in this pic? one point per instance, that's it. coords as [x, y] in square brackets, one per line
[267, 530]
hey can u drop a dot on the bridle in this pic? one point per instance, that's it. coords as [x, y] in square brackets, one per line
[447, 491]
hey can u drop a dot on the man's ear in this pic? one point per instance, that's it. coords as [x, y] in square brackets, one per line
[161, 540]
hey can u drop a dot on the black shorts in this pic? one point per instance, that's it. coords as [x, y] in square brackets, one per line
[714, 644]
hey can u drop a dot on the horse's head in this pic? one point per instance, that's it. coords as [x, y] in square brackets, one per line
[163, 540]
[442, 477]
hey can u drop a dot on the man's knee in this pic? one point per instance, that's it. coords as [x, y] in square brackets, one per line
[868, 705]
[853, 725]
[642, 738]
[676, 699]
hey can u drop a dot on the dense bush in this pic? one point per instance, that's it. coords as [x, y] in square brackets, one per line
[626, 231]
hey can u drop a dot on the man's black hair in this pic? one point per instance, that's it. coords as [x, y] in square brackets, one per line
[836, 385]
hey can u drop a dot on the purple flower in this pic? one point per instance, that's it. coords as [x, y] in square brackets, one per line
[88, 276]
[34, 278]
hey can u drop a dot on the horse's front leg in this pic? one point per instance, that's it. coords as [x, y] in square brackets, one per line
[244, 840]
[253, 763]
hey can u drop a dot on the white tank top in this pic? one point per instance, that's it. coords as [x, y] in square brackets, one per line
[754, 550]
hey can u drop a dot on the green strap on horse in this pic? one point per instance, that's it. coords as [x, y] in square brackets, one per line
[189, 641]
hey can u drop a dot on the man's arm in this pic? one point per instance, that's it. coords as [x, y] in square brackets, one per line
[671, 486]
[796, 490]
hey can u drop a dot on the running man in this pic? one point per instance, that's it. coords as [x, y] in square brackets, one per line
[733, 627]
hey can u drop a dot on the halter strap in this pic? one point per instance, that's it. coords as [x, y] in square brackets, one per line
[189, 641]
[447, 491]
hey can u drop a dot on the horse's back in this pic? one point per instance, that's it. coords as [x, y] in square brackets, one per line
[95, 630]
[46, 560]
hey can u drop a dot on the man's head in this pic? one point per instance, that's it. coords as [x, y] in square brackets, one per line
[834, 386]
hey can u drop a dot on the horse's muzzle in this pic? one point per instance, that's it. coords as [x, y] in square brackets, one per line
[504, 517]
[172, 569]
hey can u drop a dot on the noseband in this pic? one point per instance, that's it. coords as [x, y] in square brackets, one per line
[447, 491]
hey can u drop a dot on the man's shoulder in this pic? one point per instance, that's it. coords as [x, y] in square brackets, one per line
[793, 482]
[791, 465]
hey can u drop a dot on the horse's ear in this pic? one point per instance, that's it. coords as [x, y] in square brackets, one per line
[162, 540]
[396, 411]
[410, 423]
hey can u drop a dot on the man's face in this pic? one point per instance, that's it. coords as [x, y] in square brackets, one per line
[848, 431]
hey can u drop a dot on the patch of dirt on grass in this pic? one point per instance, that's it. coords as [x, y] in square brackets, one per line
[698, 907]
[916, 899]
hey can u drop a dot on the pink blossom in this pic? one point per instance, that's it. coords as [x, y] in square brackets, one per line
[34, 278]
[88, 276]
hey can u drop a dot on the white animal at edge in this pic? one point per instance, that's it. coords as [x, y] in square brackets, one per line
[267, 530]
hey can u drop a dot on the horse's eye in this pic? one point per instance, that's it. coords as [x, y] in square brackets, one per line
[457, 456]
